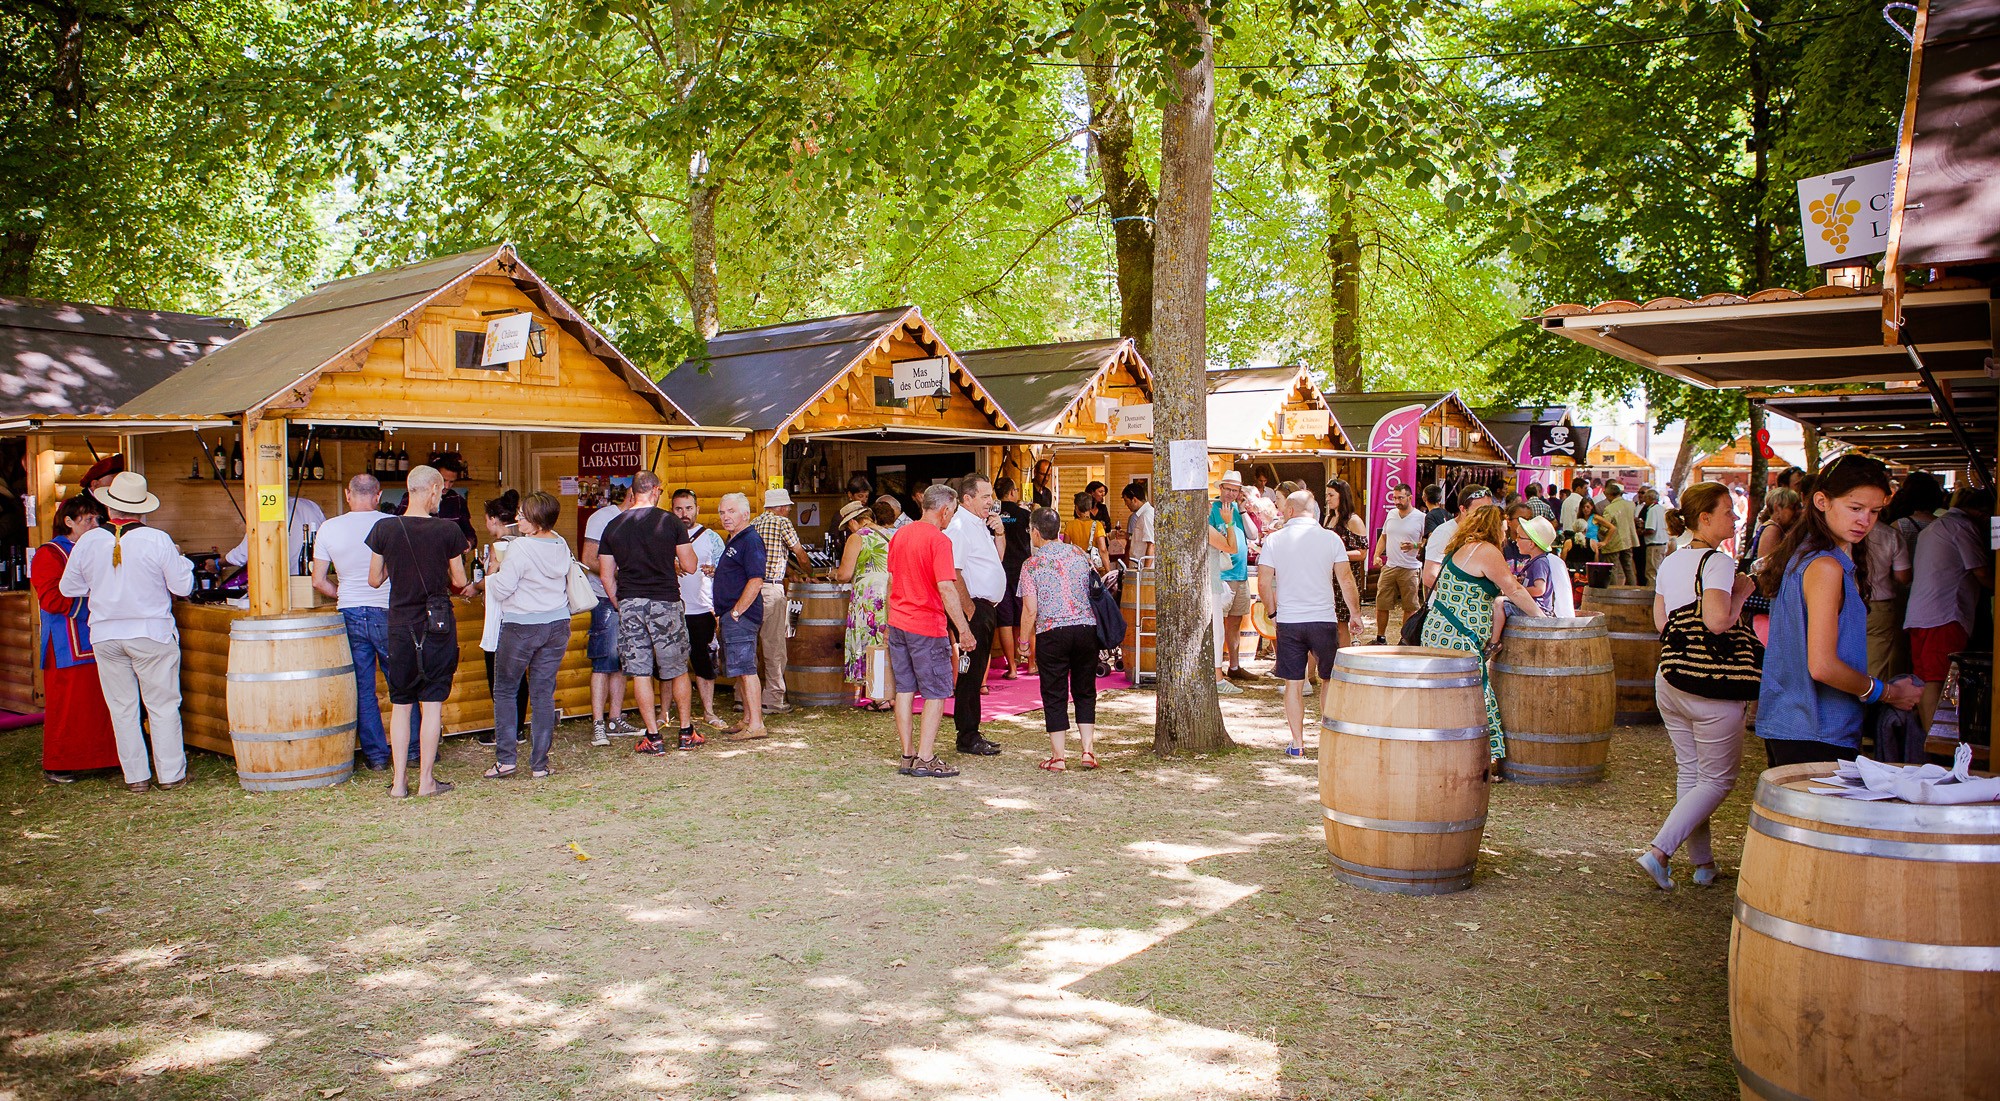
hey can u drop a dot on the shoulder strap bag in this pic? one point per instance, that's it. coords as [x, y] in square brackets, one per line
[1728, 666]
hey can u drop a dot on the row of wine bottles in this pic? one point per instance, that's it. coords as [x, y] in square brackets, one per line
[308, 465]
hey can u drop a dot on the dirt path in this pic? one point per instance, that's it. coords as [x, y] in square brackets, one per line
[794, 920]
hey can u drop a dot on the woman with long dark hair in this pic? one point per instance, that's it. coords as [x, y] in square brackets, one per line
[76, 725]
[1809, 706]
[1343, 521]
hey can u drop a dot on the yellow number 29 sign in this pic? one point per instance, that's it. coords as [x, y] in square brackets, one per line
[270, 504]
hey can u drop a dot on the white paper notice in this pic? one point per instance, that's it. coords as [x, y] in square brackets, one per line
[506, 339]
[1133, 420]
[1106, 409]
[566, 486]
[1189, 462]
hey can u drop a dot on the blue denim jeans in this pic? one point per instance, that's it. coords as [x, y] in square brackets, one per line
[368, 640]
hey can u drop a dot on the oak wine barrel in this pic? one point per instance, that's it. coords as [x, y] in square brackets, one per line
[1557, 692]
[1402, 768]
[291, 700]
[815, 658]
[1864, 959]
[1635, 648]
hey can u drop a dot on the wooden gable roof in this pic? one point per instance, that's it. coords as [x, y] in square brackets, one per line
[1246, 407]
[1048, 387]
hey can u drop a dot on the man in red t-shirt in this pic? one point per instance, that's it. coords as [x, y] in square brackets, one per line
[924, 612]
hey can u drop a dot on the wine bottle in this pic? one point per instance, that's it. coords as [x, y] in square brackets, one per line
[195, 474]
[318, 466]
[221, 459]
[403, 460]
[236, 460]
[304, 564]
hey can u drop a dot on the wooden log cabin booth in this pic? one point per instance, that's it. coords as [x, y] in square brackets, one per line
[1729, 464]
[361, 375]
[1614, 462]
[877, 396]
[69, 359]
[1855, 919]
[1542, 457]
[1275, 423]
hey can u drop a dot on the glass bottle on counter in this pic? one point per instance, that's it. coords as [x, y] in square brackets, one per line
[236, 459]
[220, 456]
[402, 460]
[195, 474]
[303, 567]
[318, 466]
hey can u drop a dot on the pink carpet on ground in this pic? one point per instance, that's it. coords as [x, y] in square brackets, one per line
[10, 721]
[1024, 695]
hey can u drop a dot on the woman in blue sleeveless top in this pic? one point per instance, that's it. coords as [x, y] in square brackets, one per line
[1810, 704]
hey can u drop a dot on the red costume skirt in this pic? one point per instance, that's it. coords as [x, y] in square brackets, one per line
[76, 732]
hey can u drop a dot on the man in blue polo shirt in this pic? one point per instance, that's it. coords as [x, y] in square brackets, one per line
[1224, 513]
[739, 612]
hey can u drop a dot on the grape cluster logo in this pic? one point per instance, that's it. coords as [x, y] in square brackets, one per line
[1835, 218]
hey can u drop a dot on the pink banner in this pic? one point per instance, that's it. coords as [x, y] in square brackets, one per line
[1395, 432]
[1531, 464]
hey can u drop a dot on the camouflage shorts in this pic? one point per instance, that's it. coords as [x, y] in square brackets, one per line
[652, 638]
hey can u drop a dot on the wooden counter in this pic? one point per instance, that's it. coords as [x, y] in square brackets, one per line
[205, 666]
[19, 691]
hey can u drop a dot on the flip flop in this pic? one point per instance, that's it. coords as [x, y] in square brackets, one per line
[443, 786]
[498, 773]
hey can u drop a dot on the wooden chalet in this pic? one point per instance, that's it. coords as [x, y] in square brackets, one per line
[1071, 390]
[1452, 442]
[1729, 465]
[1276, 421]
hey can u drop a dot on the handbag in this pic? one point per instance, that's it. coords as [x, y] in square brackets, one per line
[439, 619]
[582, 598]
[1728, 666]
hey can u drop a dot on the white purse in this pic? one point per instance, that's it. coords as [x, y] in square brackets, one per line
[582, 598]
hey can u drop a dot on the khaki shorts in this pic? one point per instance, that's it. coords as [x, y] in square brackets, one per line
[1242, 595]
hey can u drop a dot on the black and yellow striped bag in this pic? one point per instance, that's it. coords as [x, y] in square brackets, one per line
[1728, 666]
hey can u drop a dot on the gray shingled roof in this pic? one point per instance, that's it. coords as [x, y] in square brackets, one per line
[1037, 383]
[73, 357]
[760, 378]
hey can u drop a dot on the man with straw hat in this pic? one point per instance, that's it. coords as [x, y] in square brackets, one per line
[781, 539]
[131, 573]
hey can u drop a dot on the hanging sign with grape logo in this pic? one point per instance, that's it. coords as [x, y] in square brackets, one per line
[1845, 215]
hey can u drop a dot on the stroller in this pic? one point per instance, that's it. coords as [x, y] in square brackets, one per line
[1107, 602]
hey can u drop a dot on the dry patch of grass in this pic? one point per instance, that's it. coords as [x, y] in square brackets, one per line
[794, 920]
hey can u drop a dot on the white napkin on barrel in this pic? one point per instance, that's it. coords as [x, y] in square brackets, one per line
[1931, 785]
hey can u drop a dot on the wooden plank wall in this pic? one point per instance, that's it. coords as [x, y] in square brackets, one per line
[20, 688]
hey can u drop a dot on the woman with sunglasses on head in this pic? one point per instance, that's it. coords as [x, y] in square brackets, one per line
[1809, 707]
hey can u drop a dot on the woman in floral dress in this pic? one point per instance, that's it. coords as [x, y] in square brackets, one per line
[865, 562]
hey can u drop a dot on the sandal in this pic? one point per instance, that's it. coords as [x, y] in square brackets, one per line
[443, 786]
[541, 773]
[1053, 764]
[934, 768]
[908, 767]
[880, 707]
[1089, 759]
[499, 773]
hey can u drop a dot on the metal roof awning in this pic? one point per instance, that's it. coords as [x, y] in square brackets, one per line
[108, 422]
[1311, 453]
[1827, 336]
[422, 424]
[1900, 425]
[889, 433]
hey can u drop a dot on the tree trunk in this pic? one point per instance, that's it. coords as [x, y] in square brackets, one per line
[17, 259]
[702, 279]
[1343, 254]
[69, 95]
[1811, 444]
[1760, 224]
[1127, 196]
[1683, 462]
[1188, 717]
[1760, 467]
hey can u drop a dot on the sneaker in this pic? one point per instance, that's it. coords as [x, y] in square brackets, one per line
[485, 739]
[599, 735]
[1657, 868]
[1380, 641]
[778, 708]
[1294, 751]
[619, 728]
[1224, 688]
[690, 740]
[650, 746]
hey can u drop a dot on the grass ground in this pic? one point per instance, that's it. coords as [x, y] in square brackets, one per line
[794, 920]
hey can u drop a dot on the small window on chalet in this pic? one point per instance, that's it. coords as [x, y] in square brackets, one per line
[885, 394]
[470, 347]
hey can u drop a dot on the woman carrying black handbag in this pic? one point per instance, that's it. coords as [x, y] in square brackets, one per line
[1709, 670]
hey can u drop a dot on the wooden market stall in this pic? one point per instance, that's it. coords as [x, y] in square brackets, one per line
[1277, 421]
[1073, 390]
[66, 359]
[1452, 445]
[1514, 426]
[1729, 465]
[389, 363]
[1613, 461]
[819, 401]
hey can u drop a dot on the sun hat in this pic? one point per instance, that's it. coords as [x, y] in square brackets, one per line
[776, 498]
[850, 510]
[1540, 532]
[127, 493]
[1232, 478]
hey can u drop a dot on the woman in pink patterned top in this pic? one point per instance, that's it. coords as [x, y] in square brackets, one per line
[1055, 600]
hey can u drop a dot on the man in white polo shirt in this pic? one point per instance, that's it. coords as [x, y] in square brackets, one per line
[365, 609]
[977, 541]
[131, 573]
[1297, 570]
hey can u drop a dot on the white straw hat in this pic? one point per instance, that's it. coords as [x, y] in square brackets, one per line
[127, 493]
[776, 498]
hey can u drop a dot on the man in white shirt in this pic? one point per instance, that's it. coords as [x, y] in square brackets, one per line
[698, 602]
[1653, 531]
[131, 573]
[1397, 548]
[977, 542]
[1468, 498]
[305, 514]
[1297, 569]
[1139, 527]
[607, 677]
[364, 608]
[1571, 502]
[1950, 571]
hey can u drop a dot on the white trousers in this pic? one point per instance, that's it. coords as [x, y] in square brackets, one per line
[135, 672]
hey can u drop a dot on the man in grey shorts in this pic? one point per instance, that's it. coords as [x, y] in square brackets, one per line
[924, 610]
[640, 558]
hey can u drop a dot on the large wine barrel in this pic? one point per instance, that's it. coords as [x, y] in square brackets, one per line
[1635, 648]
[1556, 689]
[1402, 768]
[816, 658]
[1141, 621]
[291, 700]
[1864, 961]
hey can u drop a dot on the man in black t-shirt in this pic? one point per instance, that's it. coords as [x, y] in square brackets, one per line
[1014, 529]
[418, 555]
[644, 551]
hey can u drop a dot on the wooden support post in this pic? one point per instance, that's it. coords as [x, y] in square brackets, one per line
[266, 514]
[768, 466]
